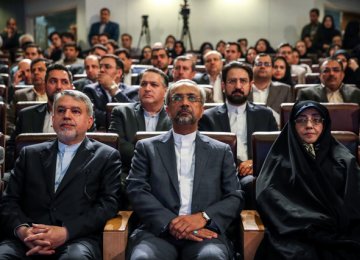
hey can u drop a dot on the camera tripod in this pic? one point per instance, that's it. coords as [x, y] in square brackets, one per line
[144, 30]
[185, 34]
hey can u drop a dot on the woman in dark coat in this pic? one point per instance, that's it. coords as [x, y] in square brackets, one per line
[308, 192]
[325, 33]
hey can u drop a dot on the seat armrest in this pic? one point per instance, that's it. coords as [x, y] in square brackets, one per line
[253, 232]
[115, 236]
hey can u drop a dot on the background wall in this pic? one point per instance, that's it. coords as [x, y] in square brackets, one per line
[210, 20]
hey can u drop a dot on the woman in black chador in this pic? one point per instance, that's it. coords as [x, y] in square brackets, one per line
[308, 192]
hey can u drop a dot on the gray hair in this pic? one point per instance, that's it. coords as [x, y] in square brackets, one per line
[77, 95]
[184, 82]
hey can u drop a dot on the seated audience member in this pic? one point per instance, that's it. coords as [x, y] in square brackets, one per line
[243, 42]
[105, 26]
[220, 47]
[145, 57]
[111, 45]
[184, 68]
[213, 66]
[351, 67]
[232, 52]
[170, 42]
[325, 33]
[332, 89]
[282, 71]
[179, 49]
[263, 46]
[22, 75]
[285, 50]
[309, 45]
[124, 56]
[204, 48]
[300, 46]
[307, 192]
[61, 192]
[92, 69]
[55, 50]
[351, 35]
[126, 42]
[108, 88]
[183, 187]
[147, 115]
[71, 53]
[296, 61]
[99, 50]
[32, 51]
[37, 92]
[332, 49]
[239, 116]
[160, 59]
[263, 90]
[103, 38]
[250, 56]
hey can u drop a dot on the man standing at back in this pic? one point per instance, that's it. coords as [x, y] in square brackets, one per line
[104, 26]
[311, 28]
[61, 192]
[183, 187]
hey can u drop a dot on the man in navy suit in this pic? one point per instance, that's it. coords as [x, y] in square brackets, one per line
[104, 26]
[239, 116]
[61, 192]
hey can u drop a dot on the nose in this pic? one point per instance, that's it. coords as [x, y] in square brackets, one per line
[67, 113]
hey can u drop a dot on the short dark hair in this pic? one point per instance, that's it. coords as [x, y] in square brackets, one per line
[185, 58]
[68, 35]
[105, 9]
[56, 66]
[99, 46]
[158, 48]
[157, 71]
[71, 44]
[122, 50]
[52, 34]
[119, 63]
[332, 59]
[282, 45]
[33, 45]
[235, 44]
[126, 34]
[236, 65]
[315, 10]
[46, 61]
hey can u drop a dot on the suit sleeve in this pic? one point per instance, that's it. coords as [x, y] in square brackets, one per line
[100, 115]
[152, 212]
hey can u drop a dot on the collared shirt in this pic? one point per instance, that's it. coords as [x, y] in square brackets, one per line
[238, 125]
[185, 165]
[47, 127]
[260, 95]
[217, 90]
[333, 96]
[102, 28]
[64, 157]
[151, 120]
[40, 97]
[127, 79]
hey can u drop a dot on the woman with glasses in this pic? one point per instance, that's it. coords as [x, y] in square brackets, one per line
[308, 191]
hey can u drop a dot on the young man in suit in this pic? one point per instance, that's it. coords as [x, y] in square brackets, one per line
[332, 89]
[61, 192]
[239, 116]
[183, 187]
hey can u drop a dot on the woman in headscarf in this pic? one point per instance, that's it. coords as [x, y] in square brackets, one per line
[308, 192]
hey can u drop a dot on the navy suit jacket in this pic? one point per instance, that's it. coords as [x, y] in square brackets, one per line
[258, 118]
[86, 198]
[111, 28]
[99, 98]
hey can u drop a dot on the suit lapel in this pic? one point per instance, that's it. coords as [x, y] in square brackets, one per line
[223, 118]
[201, 157]
[49, 156]
[250, 125]
[323, 95]
[271, 100]
[139, 115]
[83, 155]
[166, 149]
[163, 122]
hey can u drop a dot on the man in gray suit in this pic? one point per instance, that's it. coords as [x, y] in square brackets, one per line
[147, 115]
[332, 89]
[263, 90]
[183, 186]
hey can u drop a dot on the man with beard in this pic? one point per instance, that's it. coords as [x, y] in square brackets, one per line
[183, 187]
[37, 119]
[160, 59]
[239, 116]
[332, 89]
[61, 192]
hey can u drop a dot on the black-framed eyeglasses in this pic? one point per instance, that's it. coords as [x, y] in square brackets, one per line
[180, 98]
[265, 64]
[303, 121]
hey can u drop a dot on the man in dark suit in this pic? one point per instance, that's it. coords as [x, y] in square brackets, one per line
[263, 90]
[92, 69]
[332, 89]
[239, 116]
[104, 26]
[61, 192]
[37, 119]
[183, 187]
[148, 115]
[109, 88]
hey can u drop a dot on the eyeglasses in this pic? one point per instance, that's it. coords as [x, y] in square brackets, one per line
[303, 121]
[265, 64]
[177, 98]
[334, 69]
[234, 81]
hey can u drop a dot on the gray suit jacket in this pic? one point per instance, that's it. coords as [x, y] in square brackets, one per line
[126, 121]
[278, 93]
[350, 94]
[26, 94]
[153, 185]
[258, 118]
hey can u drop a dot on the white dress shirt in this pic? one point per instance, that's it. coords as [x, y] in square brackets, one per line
[259, 95]
[185, 164]
[150, 121]
[47, 127]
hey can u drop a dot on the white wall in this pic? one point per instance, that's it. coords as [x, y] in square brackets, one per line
[210, 20]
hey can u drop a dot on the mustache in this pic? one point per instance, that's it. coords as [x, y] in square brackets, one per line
[238, 91]
[184, 109]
